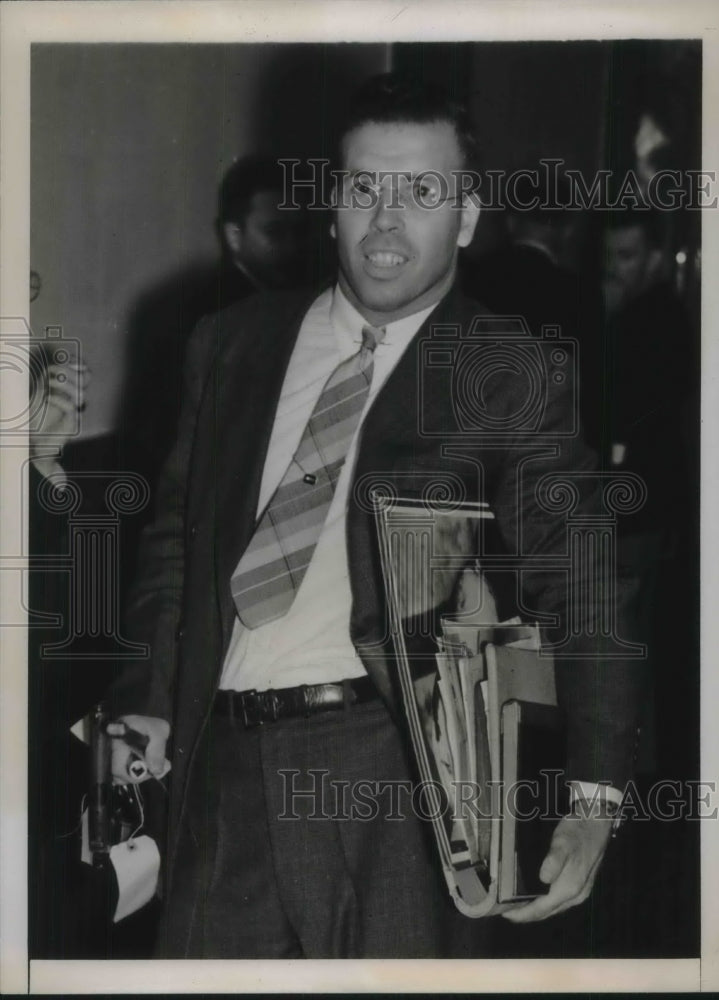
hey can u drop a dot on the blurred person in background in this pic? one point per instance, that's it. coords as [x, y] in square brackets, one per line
[262, 243]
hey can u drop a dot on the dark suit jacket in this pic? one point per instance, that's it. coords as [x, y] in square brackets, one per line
[161, 325]
[182, 604]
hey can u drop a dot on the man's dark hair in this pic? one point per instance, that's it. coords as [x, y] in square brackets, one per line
[245, 178]
[391, 98]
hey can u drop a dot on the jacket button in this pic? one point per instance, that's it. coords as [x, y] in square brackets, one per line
[179, 633]
[193, 530]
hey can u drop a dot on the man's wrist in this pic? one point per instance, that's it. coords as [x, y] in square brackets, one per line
[590, 791]
[593, 801]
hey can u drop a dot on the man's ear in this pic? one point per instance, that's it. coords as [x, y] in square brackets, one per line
[333, 231]
[470, 218]
[232, 234]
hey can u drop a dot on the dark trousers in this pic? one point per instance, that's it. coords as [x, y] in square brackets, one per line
[264, 871]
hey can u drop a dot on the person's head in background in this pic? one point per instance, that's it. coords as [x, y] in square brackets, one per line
[536, 216]
[400, 219]
[633, 258]
[258, 237]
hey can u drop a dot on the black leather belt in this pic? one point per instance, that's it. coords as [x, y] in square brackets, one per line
[252, 708]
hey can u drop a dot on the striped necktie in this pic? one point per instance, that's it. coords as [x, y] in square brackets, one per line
[270, 572]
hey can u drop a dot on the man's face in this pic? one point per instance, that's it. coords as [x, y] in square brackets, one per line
[268, 240]
[627, 264]
[393, 260]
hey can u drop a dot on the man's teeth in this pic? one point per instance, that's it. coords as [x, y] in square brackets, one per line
[386, 259]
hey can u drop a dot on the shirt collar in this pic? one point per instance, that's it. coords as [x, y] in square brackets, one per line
[347, 322]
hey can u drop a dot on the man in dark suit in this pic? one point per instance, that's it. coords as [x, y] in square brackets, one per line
[259, 863]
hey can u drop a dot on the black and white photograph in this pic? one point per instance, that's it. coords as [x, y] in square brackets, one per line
[282, 269]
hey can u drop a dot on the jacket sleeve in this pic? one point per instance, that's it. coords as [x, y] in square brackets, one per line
[598, 684]
[153, 608]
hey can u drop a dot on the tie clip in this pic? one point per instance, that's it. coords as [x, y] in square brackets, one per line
[309, 479]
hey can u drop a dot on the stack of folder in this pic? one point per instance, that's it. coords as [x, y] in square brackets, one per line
[481, 707]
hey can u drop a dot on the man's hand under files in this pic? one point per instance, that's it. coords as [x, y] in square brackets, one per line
[570, 867]
[124, 751]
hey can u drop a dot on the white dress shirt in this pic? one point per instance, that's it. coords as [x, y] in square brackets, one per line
[311, 643]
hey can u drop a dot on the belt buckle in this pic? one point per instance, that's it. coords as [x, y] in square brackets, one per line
[248, 702]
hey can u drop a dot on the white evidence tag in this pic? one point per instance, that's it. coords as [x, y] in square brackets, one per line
[137, 866]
